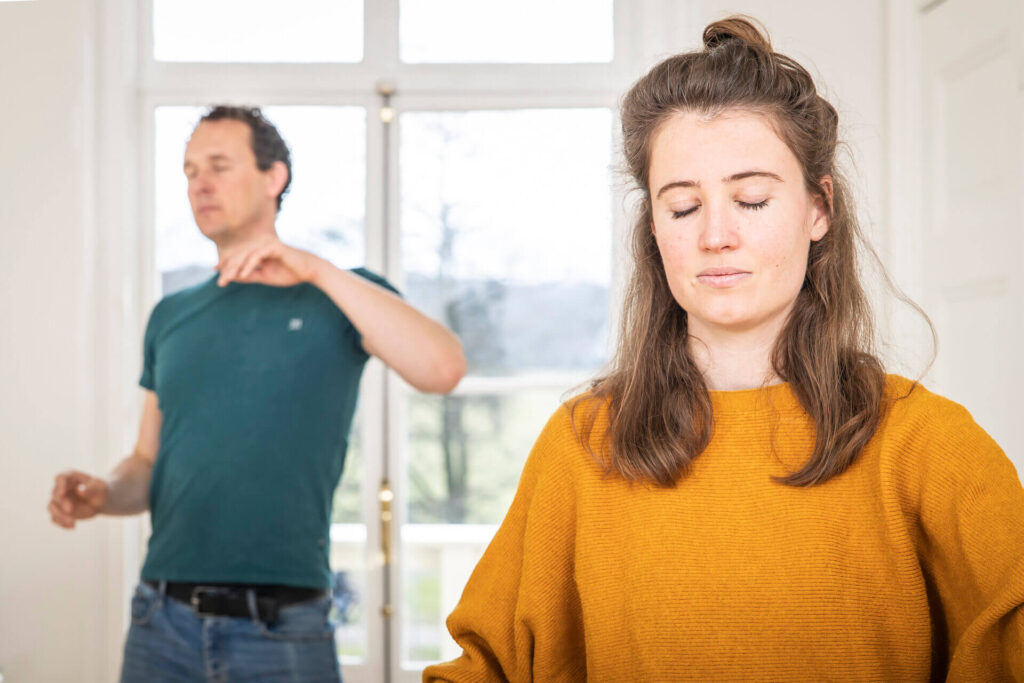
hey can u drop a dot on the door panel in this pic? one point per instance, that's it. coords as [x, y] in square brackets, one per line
[974, 235]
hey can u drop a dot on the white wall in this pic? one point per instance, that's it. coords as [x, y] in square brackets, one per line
[68, 286]
[55, 602]
[842, 44]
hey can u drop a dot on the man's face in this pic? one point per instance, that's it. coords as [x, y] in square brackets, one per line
[228, 193]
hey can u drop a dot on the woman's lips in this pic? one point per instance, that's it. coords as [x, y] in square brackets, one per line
[720, 278]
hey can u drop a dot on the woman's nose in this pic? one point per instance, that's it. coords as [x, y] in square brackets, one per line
[718, 227]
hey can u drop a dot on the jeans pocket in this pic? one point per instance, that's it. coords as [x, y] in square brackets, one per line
[305, 621]
[145, 603]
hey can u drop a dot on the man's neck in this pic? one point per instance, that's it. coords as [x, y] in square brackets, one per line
[242, 240]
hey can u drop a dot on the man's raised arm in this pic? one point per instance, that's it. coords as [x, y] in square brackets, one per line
[421, 350]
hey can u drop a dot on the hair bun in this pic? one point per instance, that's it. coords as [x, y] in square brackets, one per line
[737, 27]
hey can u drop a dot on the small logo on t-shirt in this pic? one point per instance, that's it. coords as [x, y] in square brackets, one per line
[295, 324]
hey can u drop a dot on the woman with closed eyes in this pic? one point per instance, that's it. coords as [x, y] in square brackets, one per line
[746, 494]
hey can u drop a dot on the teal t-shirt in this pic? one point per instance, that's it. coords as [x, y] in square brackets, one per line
[257, 386]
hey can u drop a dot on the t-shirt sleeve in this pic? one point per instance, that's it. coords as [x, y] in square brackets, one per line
[376, 279]
[356, 337]
[148, 378]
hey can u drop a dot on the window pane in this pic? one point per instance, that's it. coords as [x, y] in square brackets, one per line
[348, 566]
[348, 554]
[499, 31]
[322, 212]
[465, 455]
[507, 235]
[258, 31]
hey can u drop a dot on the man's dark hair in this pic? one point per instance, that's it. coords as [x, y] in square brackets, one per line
[267, 144]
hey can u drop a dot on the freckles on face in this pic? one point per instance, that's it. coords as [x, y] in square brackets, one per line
[732, 218]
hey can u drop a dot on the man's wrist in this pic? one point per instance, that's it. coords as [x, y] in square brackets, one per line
[320, 269]
[106, 485]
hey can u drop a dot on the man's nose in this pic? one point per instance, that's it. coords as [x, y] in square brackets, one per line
[200, 184]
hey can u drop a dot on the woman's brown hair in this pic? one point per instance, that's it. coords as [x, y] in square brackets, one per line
[660, 413]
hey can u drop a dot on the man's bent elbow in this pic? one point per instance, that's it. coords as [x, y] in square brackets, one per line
[451, 372]
[446, 374]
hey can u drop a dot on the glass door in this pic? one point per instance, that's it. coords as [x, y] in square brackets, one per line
[505, 235]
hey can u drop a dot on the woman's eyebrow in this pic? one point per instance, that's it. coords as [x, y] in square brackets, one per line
[729, 179]
[752, 174]
[677, 183]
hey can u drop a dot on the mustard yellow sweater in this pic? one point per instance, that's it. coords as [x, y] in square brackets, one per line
[907, 567]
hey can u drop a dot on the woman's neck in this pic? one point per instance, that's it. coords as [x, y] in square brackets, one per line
[734, 361]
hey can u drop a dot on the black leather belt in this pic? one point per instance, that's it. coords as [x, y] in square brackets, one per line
[231, 600]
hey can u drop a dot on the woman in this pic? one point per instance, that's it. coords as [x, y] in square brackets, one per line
[746, 495]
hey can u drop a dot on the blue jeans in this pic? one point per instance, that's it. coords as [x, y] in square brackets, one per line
[168, 642]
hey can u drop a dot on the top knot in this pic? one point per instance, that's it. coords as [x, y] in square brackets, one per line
[737, 27]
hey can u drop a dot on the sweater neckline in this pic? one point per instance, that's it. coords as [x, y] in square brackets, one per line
[773, 396]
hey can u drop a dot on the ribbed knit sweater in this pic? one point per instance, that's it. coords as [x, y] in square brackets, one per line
[909, 566]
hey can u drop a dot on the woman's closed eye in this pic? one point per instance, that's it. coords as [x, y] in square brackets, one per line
[684, 212]
[753, 206]
[749, 206]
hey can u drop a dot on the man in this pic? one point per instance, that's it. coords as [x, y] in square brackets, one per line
[250, 381]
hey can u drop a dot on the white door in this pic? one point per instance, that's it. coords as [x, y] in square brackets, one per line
[973, 236]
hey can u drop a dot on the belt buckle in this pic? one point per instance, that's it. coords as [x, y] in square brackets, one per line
[196, 599]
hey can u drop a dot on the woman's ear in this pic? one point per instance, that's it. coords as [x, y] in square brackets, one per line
[822, 210]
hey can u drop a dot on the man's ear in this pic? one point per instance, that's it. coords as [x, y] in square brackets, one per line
[277, 178]
[822, 210]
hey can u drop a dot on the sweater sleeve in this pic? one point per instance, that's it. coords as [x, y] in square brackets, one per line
[972, 521]
[519, 618]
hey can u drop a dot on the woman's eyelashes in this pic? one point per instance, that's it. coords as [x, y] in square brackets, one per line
[749, 206]
[684, 212]
[753, 206]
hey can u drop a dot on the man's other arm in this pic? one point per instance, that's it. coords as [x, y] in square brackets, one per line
[125, 491]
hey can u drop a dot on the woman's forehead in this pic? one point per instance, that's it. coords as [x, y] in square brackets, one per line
[716, 148]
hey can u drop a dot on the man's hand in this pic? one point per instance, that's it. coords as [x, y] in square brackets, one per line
[76, 495]
[268, 262]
